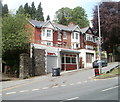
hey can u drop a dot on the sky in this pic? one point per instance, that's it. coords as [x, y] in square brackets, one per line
[51, 6]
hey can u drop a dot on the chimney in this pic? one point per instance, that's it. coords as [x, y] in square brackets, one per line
[71, 24]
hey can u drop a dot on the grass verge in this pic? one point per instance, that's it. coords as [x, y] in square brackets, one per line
[113, 73]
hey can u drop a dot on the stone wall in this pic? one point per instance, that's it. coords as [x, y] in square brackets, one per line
[26, 69]
[34, 66]
[39, 61]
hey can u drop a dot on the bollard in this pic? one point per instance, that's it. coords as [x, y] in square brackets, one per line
[96, 71]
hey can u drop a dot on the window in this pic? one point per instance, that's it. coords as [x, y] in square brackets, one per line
[48, 33]
[65, 43]
[67, 59]
[49, 43]
[77, 45]
[43, 32]
[64, 35]
[76, 35]
[73, 59]
[72, 35]
[89, 57]
[59, 36]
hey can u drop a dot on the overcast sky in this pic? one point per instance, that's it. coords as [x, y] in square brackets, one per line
[51, 6]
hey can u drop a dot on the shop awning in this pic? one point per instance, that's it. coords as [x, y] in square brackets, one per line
[69, 51]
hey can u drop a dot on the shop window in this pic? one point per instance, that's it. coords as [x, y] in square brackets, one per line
[67, 59]
[63, 59]
[73, 59]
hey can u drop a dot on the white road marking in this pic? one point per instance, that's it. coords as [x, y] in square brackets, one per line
[73, 98]
[45, 88]
[85, 81]
[54, 86]
[79, 82]
[63, 85]
[35, 89]
[10, 93]
[110, 88]
[24, 91]
[0, 94]
[72, 84]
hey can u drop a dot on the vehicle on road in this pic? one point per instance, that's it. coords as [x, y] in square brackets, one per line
[96, 63]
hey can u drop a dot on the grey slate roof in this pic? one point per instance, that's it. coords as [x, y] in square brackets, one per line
[84, 29]
[62, 27]
[37, 23]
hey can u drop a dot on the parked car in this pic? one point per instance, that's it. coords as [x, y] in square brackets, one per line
[96, 63]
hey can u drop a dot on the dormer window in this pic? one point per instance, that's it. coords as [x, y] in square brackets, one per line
[48, 33]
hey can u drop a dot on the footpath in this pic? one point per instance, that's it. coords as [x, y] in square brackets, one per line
[63, 74]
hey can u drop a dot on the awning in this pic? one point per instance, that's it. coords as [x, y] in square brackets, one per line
[69, 51]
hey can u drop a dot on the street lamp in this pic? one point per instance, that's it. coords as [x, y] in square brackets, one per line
[99, 44]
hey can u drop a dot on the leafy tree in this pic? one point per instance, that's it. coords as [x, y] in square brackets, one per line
[48, 18]
[63, 16]
[76, 15]
[21, 10]
[39, 13]
[33, 11]
[110, 25]
[79, 17]
[14, 38]
[4, 10]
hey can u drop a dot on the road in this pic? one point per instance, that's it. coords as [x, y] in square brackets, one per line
[91, 90]
[76, 85]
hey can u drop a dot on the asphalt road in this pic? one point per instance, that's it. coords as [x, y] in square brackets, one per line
[83, 90]
[75, 85]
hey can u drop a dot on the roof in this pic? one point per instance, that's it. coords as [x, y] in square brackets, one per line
[36, 23]
[62, 27]
[84, 30]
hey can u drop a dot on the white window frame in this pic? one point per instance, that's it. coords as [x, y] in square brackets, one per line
[64, 35]
[48, 34]
[49, 43]
[59, 36]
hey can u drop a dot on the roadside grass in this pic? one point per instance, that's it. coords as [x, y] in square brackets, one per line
[113, 73]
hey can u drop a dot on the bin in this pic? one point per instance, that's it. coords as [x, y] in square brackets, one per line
[56, 71]
[96, 70]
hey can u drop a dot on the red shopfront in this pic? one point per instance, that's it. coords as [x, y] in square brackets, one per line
[69, 61]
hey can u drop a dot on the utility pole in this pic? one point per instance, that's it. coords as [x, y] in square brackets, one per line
[99, 44]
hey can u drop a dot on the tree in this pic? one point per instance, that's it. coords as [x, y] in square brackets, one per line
[14, 39]
[63, 16]
[76, 15]
[33, 11]
[48, 18]
[79, 17]
[39, 13]
[110, 29]
[4, 10]
[21, 10]
[26, 9]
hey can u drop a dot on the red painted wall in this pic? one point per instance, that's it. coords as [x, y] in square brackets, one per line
[55, 37]
[37, 34]
[82, 45]
[68, 40]
[69, 66]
